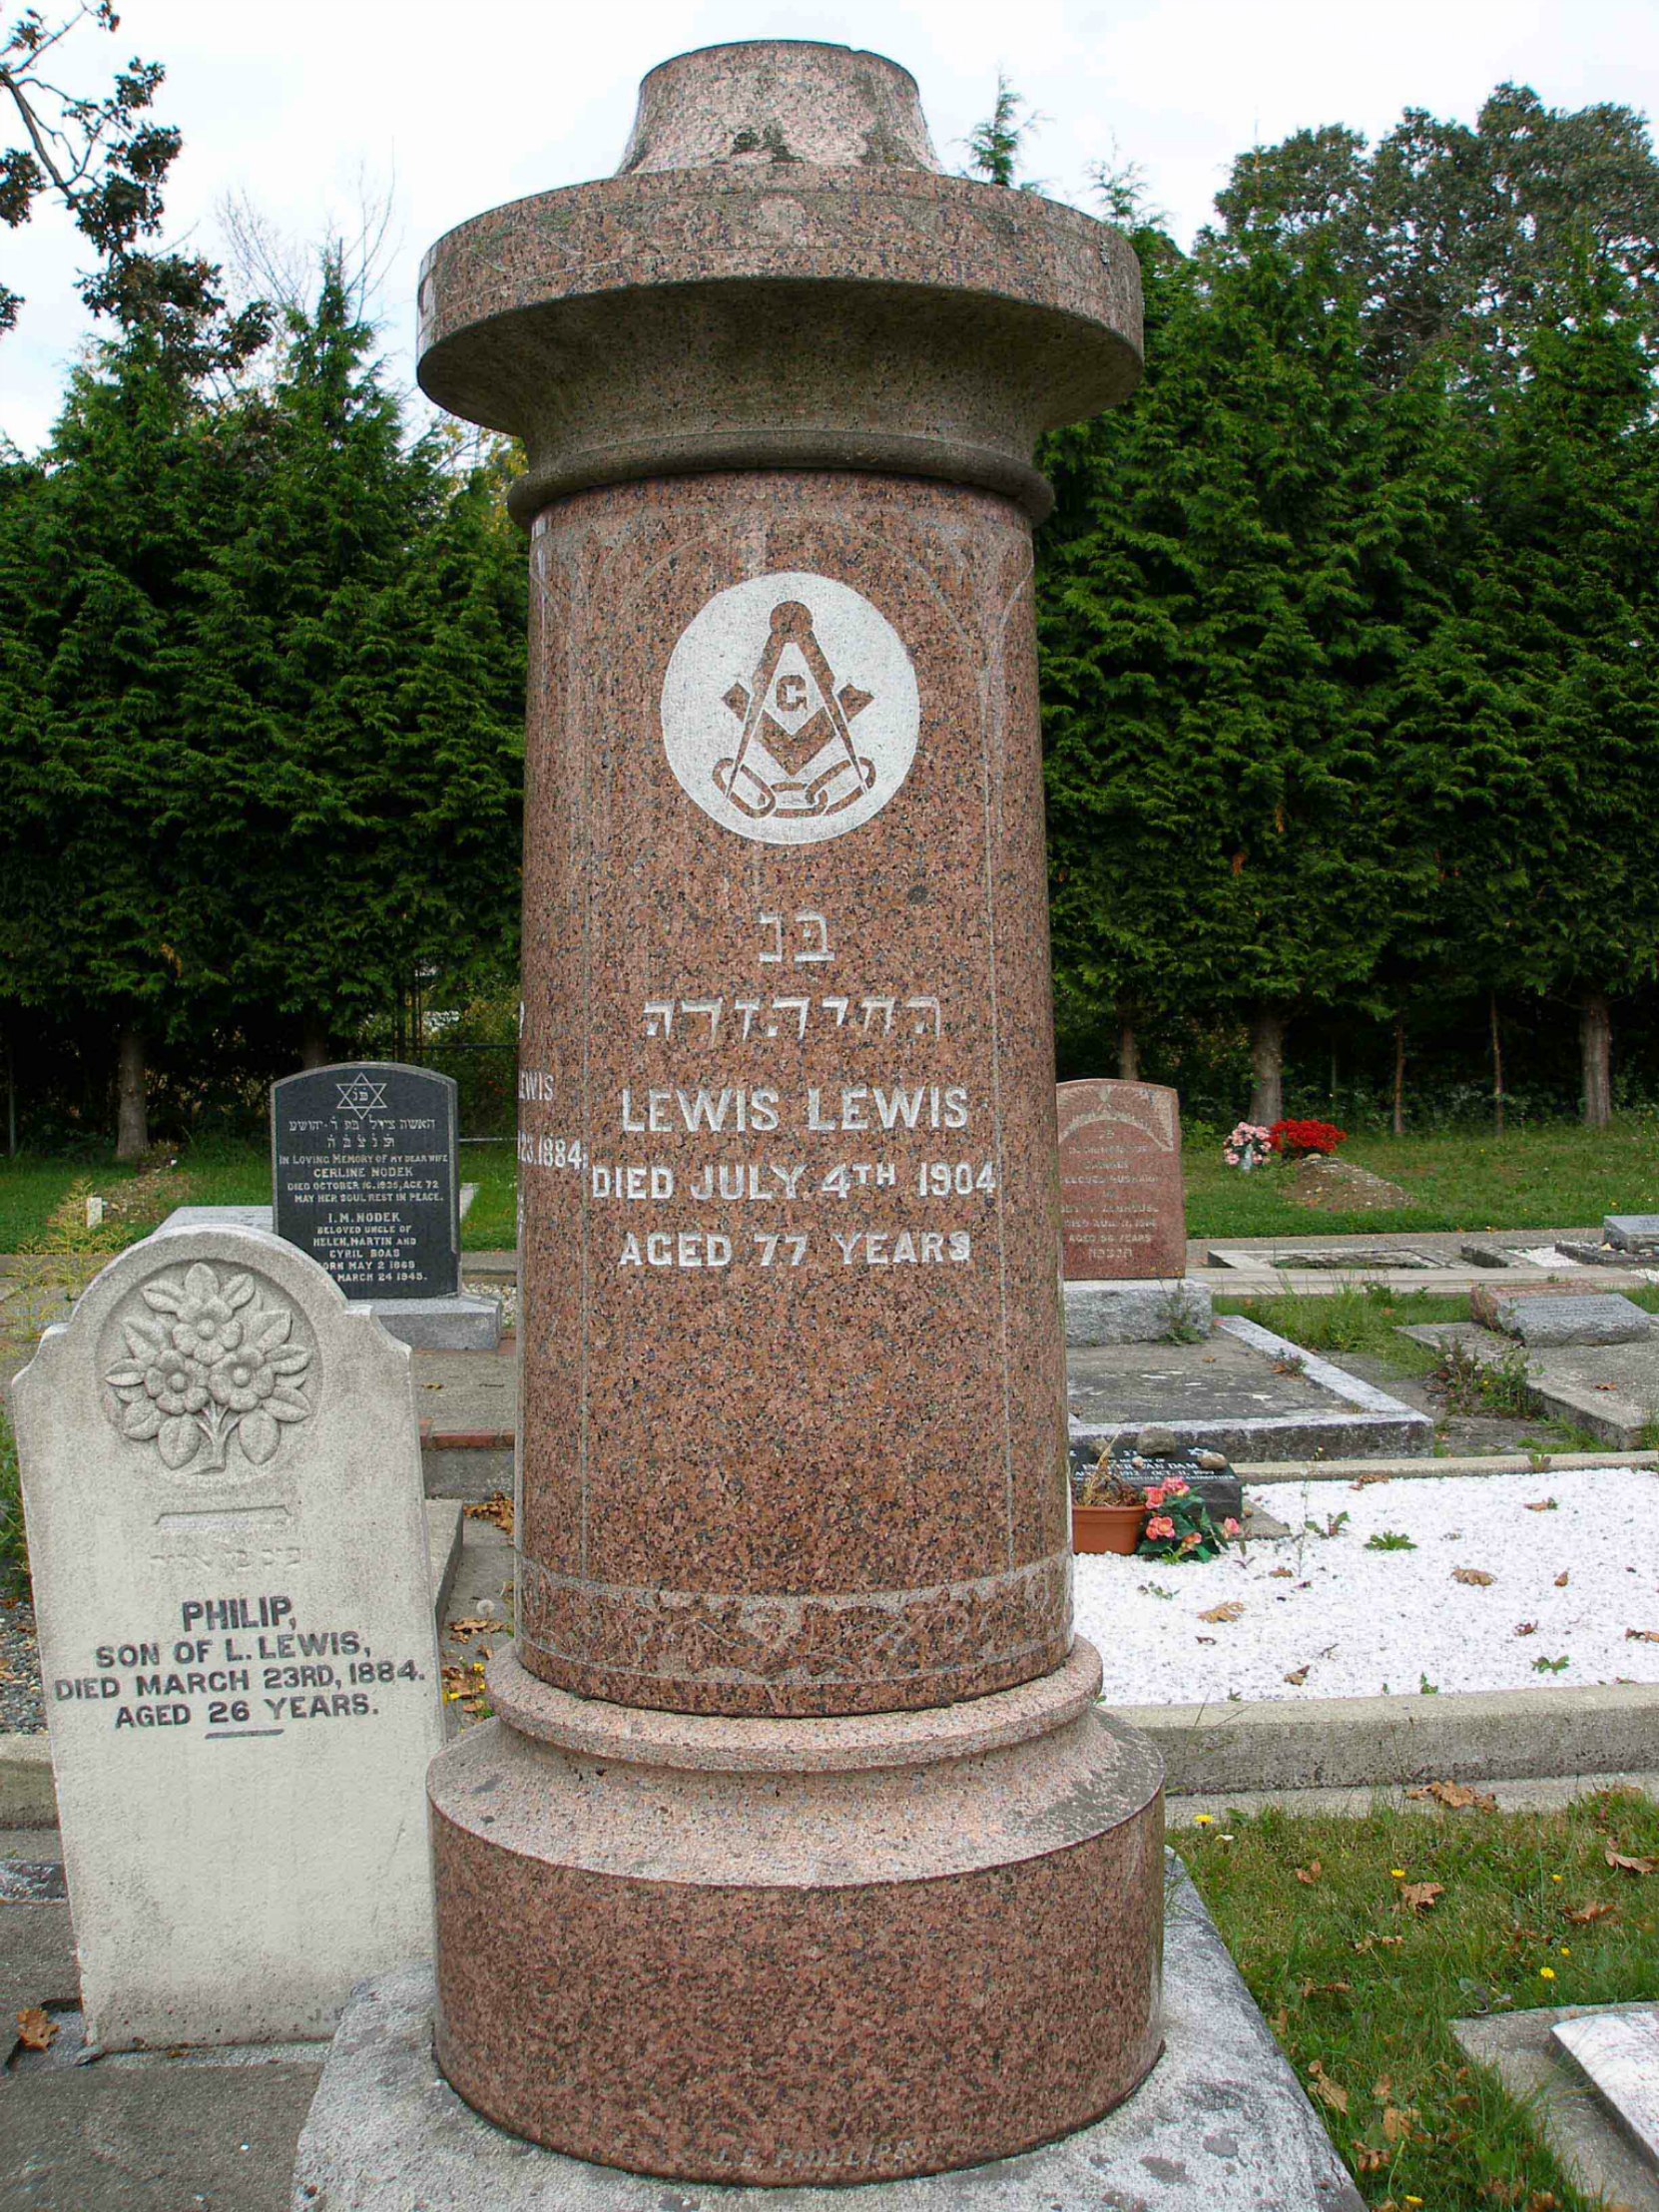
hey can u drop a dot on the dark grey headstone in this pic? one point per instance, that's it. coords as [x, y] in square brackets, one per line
[364, 1179]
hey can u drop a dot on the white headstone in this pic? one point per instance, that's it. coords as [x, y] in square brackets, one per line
[222, 1486]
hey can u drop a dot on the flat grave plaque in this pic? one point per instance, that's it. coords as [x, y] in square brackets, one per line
[1620, 2053]
[1122, 1198]
[364, 1176]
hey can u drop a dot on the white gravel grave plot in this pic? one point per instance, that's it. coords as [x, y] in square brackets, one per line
[1365, 1622]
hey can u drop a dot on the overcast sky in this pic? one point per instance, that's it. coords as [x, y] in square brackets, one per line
[457, 108]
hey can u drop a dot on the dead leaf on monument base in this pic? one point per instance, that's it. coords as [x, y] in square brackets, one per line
[35, 2028]
[1456, 1797]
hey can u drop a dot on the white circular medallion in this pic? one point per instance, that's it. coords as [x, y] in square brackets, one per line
[790, 709]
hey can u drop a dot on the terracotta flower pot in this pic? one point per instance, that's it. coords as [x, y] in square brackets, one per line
[1106, 1527]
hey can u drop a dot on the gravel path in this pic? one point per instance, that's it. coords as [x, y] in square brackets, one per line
[1362, 1622]
[20, 1711]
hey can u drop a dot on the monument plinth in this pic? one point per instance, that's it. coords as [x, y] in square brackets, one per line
[798, 1851]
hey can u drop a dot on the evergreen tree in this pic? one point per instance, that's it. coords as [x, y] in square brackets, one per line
[1222, 825]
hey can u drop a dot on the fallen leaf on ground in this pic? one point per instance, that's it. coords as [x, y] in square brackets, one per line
[1370, 2159]
[1283, 1574]
[1456, 1796]
[1641, 1635]
[498, 1510]
[1420, 1896]
[1326, 1989]
[1297, 1679]
[1382, 2091]
[1396, 2123]
[1526, 1628]
[1477, 1576]
[1626, 1864]
[1562, 1580]
[1542, 1505]
[1308, 1875]
[476, 1625]
[1365, 1482]
[1327, 2092]
[35, 2028]
[1586, 1915]
[1370, 1943]
[1281, 2022]
[1228, 1612]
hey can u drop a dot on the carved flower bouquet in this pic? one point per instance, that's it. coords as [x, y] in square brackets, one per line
[1179, 1525]
[212, 1359]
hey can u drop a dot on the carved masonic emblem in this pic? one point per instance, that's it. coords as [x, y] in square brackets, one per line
[796, 754]
[790, 709]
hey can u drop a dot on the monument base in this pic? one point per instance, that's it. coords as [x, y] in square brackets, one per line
[1220, 2125]
[461, 1323]
[826, 1951]
[1137, 1311]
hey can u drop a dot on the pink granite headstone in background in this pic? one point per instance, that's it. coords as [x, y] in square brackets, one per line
[1123, 1206]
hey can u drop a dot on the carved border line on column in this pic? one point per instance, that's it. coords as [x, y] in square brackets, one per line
[823, 1641]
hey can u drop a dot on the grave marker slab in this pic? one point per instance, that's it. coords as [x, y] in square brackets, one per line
[1632, 1232]
[1122, 1199]
[1598, 1319]
[364, 1176]
[222, 1485]
[1620, 2053]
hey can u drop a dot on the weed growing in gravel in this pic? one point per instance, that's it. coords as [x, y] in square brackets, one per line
[14, 1552]
[1361, 1970]
[1389, 1539]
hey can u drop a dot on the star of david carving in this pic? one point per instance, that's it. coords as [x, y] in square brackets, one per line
[361, 1096]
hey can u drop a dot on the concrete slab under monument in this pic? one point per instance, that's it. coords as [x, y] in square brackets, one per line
[466, 1320]
[1220, 2125]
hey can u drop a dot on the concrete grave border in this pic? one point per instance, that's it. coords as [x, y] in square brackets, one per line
[1365, 1415]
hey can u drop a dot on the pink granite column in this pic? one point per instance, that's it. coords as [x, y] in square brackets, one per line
[798, 1851]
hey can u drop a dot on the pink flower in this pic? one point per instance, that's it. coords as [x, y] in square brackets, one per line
[1154, 1498]
[1174, 1487]
[1229, 1526]
[1160, 1525]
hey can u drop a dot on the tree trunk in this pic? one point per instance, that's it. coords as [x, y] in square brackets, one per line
[314, 1042]
[131, 1129]
[1129, 1052]
[1267, 1066]
[1497, 1066]
[1400, 1076]
[1595, 1044]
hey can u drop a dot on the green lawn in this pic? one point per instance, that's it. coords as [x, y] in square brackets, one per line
[1544, 1178]
[216, 1174]
[1557, 1176]
[1360, 1984]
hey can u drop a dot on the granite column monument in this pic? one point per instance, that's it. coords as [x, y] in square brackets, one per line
[798, 1851]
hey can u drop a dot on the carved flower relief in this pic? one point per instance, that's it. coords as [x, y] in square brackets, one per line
[209, 1356]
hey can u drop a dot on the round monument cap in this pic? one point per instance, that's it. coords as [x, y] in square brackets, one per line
[779, 276]
[760, 101]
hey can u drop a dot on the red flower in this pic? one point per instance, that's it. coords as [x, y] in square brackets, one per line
[1293, 1137]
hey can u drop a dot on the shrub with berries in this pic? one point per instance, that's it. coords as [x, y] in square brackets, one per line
[1294, 1139]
